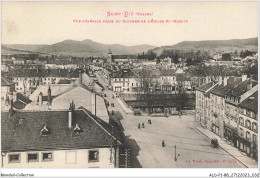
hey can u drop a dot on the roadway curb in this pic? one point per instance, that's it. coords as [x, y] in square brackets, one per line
[220, 146]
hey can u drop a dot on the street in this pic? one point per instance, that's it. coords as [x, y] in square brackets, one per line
[194, 149]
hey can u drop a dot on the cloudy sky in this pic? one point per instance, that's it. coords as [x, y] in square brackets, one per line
[52, 22]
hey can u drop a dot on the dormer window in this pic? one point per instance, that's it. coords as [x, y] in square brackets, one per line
[45, 131]
[21, 121]
[77, 129]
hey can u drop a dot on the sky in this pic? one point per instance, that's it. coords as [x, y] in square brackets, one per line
[52, 22]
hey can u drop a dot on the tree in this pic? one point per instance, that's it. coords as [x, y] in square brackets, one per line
[151, 55]
[181, 97]
[226, 57]
[143, 91]
[189, 62]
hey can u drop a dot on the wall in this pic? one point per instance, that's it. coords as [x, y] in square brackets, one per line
[81, 97]
[61, 160]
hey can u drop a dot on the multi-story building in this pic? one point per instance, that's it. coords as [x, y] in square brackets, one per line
[27, 80]
[231, 107]
[203, 104]
[232, 98]
[58, 139]
[125, 81]
[7, 88]
[248, 125]
[217, 103]
[54, 97]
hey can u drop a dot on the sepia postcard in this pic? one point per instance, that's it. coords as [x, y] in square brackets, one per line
[129, 85]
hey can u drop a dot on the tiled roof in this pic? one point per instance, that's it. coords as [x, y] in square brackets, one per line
[64, 81]
[169, 72]
[62, 73]
[6, 82]
[221, 90]
[125, 73]
[251, 102]
[182, 77]
[241, 88]
[55, 90]
[205, 87]
[21, 101]
[26, 136]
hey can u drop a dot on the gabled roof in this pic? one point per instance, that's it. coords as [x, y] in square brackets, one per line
[251, 102]
[205, 87]
[21, 101]
[241, 88]
[27, 136]
[221, 90]
[55, 90]
[125, 73]
[6, 82]
[62, 73]
[168, 72]
[76, 86]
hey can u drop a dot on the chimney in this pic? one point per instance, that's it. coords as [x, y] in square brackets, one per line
[220, 80]
[244, 77]
[11, 110]
[80, 77]
[94, 103]
[15, 96]
[40, 99]
[49, 96]
[225, 81]
[249, 85]
[70, 117]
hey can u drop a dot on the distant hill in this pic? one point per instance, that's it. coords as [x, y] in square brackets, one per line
[7, 50]
[83, 48]
[24, 47]
[213, 45]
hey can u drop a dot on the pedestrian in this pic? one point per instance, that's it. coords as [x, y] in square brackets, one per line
[150, 121]
[139, 126]
[143, 125]
[163, 144]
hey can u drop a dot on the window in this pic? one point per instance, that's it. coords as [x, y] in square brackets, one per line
[241, 132]
[254, 127]
[32, 157]
[45, 131]
[47, 156]
[93, 156]
[248, 124]
[254, 138]
[253, 115]
[248, 135]
[14, 158]
[21, 121]
[241, 121]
